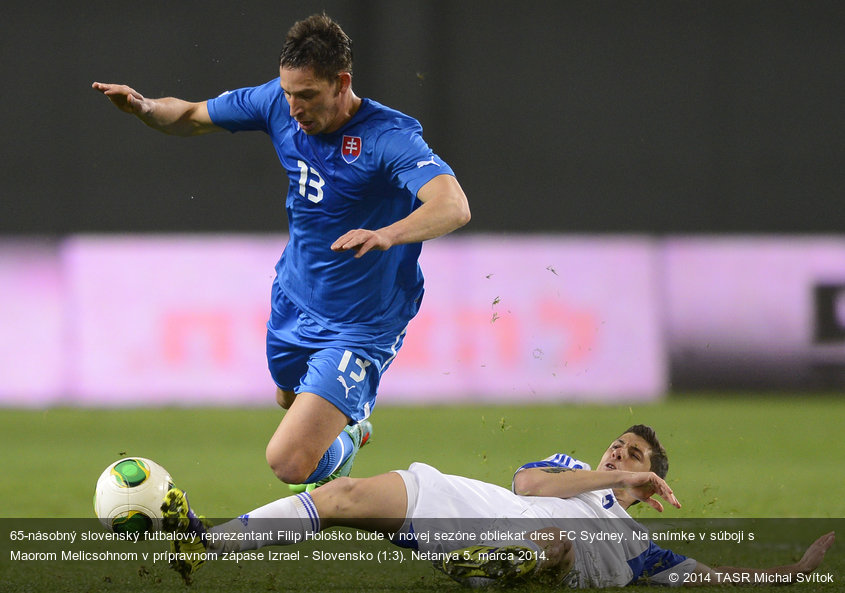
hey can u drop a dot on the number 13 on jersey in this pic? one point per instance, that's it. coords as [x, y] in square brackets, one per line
[309, 178]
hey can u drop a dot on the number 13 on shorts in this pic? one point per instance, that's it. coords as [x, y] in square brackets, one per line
[356, 375]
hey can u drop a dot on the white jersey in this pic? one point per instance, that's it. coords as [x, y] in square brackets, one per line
[447, 513]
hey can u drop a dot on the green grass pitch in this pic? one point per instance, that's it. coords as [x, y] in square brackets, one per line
[756, 457]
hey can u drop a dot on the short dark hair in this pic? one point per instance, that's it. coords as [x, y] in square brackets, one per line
[659, 459]
[318, 43]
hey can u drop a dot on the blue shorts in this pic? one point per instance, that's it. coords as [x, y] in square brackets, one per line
[305, 357]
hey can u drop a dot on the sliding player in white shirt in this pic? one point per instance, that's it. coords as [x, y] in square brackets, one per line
[563, 523]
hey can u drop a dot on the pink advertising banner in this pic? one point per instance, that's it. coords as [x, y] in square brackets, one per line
[765, 312]
[169, 319]
[33, 353]
[179, 320]
[533, 319]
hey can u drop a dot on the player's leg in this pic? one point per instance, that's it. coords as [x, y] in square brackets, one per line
[379, 503]
[285, 399]
[384, 503]
[325, 391]
[310, 438]
[304, 440]
[325, 425]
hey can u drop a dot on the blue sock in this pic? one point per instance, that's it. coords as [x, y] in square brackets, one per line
[333, 458]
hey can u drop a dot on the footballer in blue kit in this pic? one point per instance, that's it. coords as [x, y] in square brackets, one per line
[333, 189]
[337, 182]
[365, 190]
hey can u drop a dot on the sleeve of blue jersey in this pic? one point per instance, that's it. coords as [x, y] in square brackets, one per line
[556, 460]
[409, 160]
[245, 109]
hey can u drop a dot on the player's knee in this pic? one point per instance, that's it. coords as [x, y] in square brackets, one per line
[340, 495]
[289, 469]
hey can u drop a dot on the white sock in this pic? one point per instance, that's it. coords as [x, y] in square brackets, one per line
[281, 522]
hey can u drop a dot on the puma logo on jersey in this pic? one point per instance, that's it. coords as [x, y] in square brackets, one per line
[345, 386]
[431, 161]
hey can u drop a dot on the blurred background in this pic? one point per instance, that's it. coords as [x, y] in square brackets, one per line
[656, 191]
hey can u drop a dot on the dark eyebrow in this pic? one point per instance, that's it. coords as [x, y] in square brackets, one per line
[305, 91]
[632, 447]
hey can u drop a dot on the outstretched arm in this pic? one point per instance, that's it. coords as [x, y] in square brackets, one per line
[168, 115]
[778, 574]
[563, 482]
[444, 209]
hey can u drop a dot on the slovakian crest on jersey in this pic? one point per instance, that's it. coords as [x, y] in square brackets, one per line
[350, 148]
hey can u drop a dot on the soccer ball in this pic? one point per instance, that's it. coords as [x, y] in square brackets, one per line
[129, 495]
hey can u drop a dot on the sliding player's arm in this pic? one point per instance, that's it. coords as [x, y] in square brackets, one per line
[169, 114]
[786, 574]
[564, 482]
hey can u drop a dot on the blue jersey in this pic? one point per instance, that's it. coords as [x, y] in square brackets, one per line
[364, 175]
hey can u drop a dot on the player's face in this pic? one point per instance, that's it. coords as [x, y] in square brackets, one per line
[627, 453]
[314, 101]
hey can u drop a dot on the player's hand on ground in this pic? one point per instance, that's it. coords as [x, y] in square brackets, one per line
[815, 553]
[362, 241]
[644, 485]
[124, 98]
